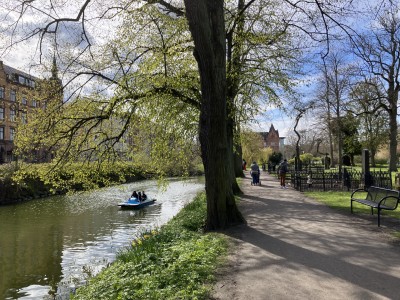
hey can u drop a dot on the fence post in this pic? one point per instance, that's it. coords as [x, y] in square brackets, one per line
[298, 181]
[365, 168]
[397, 181]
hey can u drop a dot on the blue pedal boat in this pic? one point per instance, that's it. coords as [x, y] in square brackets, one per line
[134, 203]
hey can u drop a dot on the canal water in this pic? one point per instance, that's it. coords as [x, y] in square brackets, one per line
[49, 247]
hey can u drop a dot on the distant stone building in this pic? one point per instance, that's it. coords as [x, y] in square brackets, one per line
[20, 94]
[273, 140]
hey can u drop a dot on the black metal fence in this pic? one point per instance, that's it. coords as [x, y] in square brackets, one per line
[318, 179]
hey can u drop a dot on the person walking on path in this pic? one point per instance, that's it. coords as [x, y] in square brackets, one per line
[283, 169]
[255, 173]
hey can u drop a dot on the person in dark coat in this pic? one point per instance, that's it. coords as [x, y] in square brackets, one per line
[283, 169]
[255, 173]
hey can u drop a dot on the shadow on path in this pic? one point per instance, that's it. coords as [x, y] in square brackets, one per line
[296, 248]
[381, 283]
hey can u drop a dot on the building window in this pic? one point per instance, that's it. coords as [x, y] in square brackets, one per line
[1, 92]
[1, 113]
[12, 133]
[13, 114]
[13, 95]
[34, 103]
[21, 80]
[24, 118]
[1, 133]
[24, 101]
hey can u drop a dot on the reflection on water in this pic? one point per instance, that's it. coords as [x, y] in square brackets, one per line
[49, 246]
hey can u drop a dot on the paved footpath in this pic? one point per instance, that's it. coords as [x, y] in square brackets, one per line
[296, 248]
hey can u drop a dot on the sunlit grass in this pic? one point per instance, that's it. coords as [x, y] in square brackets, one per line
[341, 201]
[178, 261]
[338, 200]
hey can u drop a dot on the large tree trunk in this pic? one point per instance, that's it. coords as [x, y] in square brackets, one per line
[234, 67]
[338, 106]
[232, 157]
[329, 116]
[238, 160]
[331, 147]
[393, 136]
[393, 96]
[206, 23]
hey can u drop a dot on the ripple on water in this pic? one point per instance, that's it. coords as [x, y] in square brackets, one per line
[52, 245]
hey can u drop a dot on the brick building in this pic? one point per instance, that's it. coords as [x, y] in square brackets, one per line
[273, 140]
[20, 94]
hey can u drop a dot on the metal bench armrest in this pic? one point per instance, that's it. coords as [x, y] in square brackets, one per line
[383, 200]
[360, 190]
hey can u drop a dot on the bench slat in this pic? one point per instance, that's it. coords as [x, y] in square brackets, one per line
[373, 204]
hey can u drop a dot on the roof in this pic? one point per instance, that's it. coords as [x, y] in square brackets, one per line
[11, 70]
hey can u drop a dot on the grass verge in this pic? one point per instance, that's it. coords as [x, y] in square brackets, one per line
[178, 261]
[341, 201]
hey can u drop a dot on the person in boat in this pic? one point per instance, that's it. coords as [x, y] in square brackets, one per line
[140, 197]
[135, 195]
[144, 196]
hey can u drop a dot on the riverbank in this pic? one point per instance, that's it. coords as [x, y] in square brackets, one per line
[177, 261]
[24, 182]
[71, 237]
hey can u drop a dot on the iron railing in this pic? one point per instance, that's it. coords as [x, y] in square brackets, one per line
[317, 179]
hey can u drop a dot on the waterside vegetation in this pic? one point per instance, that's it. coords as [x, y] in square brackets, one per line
[176, 261]
[22, 181]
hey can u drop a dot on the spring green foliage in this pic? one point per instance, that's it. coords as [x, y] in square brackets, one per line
[306, 158]
[26, 181]
[176, 262]
[276, 158]
[253, 148]
[152, 76]
[82, 132]
[151, 117]
[74, 176]
[145, 100]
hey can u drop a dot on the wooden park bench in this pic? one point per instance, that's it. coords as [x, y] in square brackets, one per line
[376, 197]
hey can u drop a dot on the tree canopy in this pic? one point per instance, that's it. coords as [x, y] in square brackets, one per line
[170, 76]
